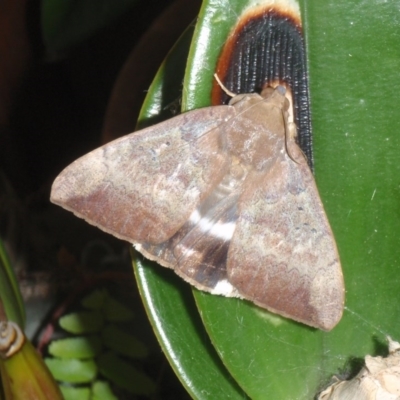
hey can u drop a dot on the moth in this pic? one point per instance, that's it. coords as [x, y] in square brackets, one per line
[224, 196]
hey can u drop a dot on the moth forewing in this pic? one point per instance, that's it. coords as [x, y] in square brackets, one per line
[282, 255]
[144, 186]
[214, 194]
[294, 267]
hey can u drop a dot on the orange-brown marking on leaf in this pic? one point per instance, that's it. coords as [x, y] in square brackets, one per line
[282, 12]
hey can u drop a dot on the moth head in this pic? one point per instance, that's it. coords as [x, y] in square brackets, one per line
[271, 97]
[277, 95]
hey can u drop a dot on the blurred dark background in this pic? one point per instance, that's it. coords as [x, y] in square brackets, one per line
[59, 64]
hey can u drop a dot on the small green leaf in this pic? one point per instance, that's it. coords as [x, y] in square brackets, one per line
[123, 343]
[72, 371]
[73, 393]
[125, 375]
[80, 347]
[102, 391]
[82, 322]
[95, 300]
[116, 311]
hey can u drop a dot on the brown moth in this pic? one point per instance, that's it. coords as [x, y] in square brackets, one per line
[224, 196]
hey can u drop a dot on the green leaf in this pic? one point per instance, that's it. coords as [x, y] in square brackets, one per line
[115, 311]
[112, 309]
[355, 145]
[353, 62]
[258, 348]
[95, 300]
[82, 322]
[124, 343]
[80, 347]
[125, 375]
[216, 19]
[102, 391]
[71, 370]
[72, 393]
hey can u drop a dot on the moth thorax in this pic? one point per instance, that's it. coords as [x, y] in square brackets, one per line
[238, 170]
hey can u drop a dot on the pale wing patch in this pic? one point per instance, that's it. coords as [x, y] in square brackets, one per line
[225, 288]
[218, 230]
[198, 250]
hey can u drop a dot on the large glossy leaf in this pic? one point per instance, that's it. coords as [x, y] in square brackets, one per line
[353, 63]
[354, 145]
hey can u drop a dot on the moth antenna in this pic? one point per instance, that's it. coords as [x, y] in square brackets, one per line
[288, 137]
[223, 87]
